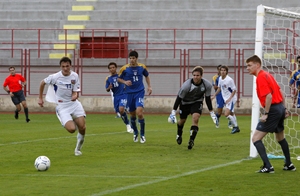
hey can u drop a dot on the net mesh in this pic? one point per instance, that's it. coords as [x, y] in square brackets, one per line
[281, 43]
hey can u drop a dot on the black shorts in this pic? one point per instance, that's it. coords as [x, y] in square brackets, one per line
[185, 110]
[275, 120]
[18, 97]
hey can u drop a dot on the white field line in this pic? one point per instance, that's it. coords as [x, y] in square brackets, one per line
[166, 178]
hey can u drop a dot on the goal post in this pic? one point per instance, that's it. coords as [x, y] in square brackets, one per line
[277, 42]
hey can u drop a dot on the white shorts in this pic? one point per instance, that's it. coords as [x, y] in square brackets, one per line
[230, 105]
[69, 111]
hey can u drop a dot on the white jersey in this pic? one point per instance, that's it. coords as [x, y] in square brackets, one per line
[227, 87]
[63, 86]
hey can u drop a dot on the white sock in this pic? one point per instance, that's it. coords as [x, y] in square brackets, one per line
[80, 140]
[233, 121]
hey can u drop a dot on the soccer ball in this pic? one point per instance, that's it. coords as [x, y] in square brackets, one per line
[42, 163]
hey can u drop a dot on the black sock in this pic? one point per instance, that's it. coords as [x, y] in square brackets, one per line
[260, 147]
[285, 149]
[179, 129]
[194, 131]
[26, 112]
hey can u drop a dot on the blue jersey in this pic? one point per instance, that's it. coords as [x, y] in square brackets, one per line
[118, 88]
[295, 77]
[135, 75]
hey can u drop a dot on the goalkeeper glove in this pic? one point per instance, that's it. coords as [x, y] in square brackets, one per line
[214, 118]
[172, 118]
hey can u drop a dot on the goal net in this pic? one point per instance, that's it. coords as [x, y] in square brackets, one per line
[277, 43]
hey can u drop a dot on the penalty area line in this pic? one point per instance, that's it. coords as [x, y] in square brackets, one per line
[167, 178]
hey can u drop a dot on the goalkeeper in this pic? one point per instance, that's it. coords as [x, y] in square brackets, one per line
[190, 101]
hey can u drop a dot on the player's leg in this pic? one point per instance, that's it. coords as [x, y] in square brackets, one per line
[196, 111]
[22, 100]
[132, 111]
[279, 133]
[121, 105]
[16, 102]
[80, 122]
[79, 119]
[184, 112]
[139, 103]
[260, 147]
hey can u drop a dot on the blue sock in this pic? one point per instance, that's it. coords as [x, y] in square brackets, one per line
[133, 126]
[142, 126]
[124, 118]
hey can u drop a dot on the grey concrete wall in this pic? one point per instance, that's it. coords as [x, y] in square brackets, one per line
[104, 105]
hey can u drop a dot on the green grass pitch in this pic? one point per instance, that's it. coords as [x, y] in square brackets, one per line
[112, 164]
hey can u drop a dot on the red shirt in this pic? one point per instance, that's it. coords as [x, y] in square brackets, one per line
[14, 82]
[265, 84]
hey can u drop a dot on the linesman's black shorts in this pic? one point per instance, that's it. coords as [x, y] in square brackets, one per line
[275, 120]
[18, 97]
[185, 110]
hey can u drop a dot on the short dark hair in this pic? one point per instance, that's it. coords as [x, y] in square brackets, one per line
[224, 67]
[112, 63]
[298, 57]
[65, 59]
[133, 53]
[11, 67]
[218, 67]
[254, 59]
[199, 69]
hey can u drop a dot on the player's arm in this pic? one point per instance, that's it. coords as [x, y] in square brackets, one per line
[41, 91]
[172, 118]
[217, 92]
[127, 82]
[6, 89]
[149, 90]
[75, 95]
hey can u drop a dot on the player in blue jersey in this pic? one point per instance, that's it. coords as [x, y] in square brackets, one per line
[295, 78]
[119, 97]
[132, 76]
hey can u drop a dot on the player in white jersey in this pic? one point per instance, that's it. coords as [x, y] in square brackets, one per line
[228, 89]
[69, 110]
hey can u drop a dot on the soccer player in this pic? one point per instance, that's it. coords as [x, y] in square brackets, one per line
[15, 83]
[272, 100]
[228, 89]
[219, 99]
[119, 98]
[69, 110]
[132, 76]
[295, 78]
[190, 101]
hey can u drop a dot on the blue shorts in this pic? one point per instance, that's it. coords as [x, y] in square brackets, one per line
[120, 101]
[219, 101]
[135, 100]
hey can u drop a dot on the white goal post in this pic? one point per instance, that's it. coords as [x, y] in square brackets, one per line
[277, 42]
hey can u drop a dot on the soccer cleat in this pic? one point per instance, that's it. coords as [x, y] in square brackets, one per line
[290, 167]
[77, 152]
[235, 130]
[27, 120]
[191, 144]
[230, 125]
[265, 169]
[129, 129]
[217, 122]
[143, 139]
[16, 114]
[179, 139]
[135, 138]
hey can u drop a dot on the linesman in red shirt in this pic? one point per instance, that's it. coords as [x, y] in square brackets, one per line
[15, 83]
[272, 100]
